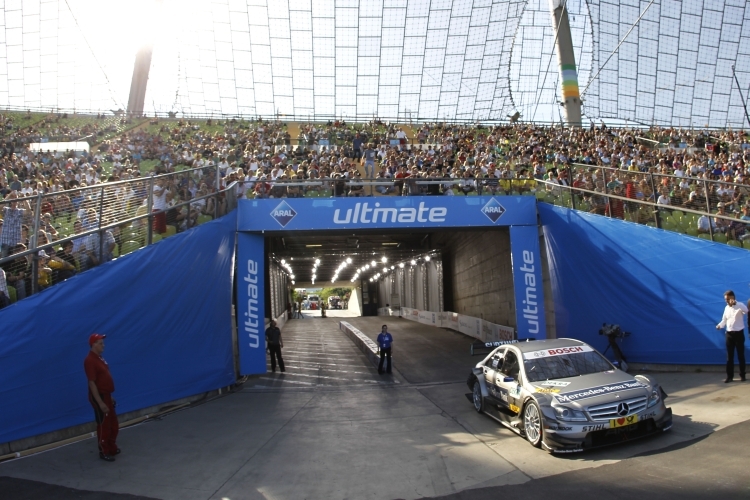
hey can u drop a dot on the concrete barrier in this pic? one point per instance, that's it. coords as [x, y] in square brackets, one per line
[365, 343]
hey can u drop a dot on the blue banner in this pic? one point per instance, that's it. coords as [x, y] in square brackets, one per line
[527, 282]
[386, 212]
[664, 287]
[164, 310]
[251, 304]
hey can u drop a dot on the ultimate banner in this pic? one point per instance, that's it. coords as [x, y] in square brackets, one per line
[527, 282]
[387, 212]
[251, 303]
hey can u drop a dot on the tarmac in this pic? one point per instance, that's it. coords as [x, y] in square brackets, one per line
[331, 427]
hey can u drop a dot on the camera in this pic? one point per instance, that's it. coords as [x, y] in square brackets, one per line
[613, 331]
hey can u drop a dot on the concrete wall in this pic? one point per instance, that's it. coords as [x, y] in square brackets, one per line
[481, 276]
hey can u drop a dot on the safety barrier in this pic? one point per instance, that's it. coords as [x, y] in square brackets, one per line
[368, 347]
[468, 325]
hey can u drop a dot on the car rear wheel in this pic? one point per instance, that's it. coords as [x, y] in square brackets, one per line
[532, 423]
[477, 397]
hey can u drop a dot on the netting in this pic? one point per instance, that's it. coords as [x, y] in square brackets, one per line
[395, 59]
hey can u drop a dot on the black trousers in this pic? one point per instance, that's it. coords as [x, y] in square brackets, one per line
[383, 354]
[275, 351]
[735, 340]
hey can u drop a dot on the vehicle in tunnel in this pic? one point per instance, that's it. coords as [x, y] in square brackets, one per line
[564, 396]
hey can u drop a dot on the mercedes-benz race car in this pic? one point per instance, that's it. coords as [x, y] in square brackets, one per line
[564, 396]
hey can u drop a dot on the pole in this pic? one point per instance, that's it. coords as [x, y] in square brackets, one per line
[33, 240]
[567, 62]
[150, 205]
[739, 90]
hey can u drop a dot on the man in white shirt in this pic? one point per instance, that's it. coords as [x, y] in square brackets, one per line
[734, 321]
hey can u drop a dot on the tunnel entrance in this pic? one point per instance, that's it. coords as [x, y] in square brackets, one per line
[476, 255]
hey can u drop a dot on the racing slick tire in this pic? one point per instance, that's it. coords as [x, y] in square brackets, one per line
[477, 398]
[532, 424]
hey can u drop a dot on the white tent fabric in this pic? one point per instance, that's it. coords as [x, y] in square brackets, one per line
[395, 59]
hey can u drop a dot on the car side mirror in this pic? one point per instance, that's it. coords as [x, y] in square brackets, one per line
[509, 379]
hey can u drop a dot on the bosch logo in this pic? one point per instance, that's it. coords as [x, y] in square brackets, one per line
[565, 350]
[283, 214]
[623, 409]
[493, 210]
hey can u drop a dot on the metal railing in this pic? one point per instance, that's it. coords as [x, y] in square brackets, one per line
[103, 221]
[701, 207]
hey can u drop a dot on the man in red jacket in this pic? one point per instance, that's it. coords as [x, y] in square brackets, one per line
[101, 387]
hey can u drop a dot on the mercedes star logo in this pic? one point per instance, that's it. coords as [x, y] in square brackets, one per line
[623, 409]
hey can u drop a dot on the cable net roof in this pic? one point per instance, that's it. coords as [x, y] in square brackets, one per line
[395, 59]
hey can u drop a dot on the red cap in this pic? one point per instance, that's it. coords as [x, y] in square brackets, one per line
[94, 337]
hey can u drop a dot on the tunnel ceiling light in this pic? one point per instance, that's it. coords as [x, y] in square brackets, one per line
[401, 265]
[373, 263]
[348, 260]
[384, 259]
[317, 261]
[367, 266]
[385, 269]
[313, 246]
[292, 282]
[393, 267]
[413, 262]
[390, 244]
[283, 262]
[427, 259]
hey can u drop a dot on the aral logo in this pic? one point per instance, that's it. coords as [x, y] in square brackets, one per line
[493, 210]
[283, 213]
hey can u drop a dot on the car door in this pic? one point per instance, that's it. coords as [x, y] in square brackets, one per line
[508, 383]
[491, 369]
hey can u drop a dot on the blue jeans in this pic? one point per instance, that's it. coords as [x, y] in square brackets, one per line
[369, 170]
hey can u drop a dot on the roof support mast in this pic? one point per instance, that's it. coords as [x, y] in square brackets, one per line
[571, 99]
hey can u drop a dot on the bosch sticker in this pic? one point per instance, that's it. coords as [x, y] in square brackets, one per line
[560, 351]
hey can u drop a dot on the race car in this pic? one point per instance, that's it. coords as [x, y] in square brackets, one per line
[564, 396]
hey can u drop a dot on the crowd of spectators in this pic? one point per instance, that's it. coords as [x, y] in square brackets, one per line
[603, 167]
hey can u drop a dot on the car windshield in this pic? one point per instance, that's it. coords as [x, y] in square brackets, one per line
[566, 365]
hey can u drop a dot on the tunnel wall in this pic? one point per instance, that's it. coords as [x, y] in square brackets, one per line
[418, 286]
[481, 274]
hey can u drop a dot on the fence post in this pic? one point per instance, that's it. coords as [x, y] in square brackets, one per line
[570, 187]
[33, 241]
[657, 215]
[150, 208]
[708, 210]
[216, 196]
[101, 215]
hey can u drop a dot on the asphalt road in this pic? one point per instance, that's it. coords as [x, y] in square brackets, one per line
[331, 427]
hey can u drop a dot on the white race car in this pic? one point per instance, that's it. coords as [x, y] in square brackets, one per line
[565, 396]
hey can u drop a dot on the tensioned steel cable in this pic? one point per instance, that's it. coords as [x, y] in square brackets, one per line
[93, 54]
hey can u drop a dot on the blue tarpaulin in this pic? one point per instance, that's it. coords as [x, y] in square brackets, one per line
[665, 288]
[166, 311]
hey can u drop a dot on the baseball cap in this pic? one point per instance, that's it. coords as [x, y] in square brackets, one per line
[94, 337]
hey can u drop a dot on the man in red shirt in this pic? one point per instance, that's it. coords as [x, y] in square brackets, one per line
[101, 387]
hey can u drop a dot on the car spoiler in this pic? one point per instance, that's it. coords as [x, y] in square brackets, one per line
[478, 348]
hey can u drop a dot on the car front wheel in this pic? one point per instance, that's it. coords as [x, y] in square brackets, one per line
[532, 423]
[477, 397]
